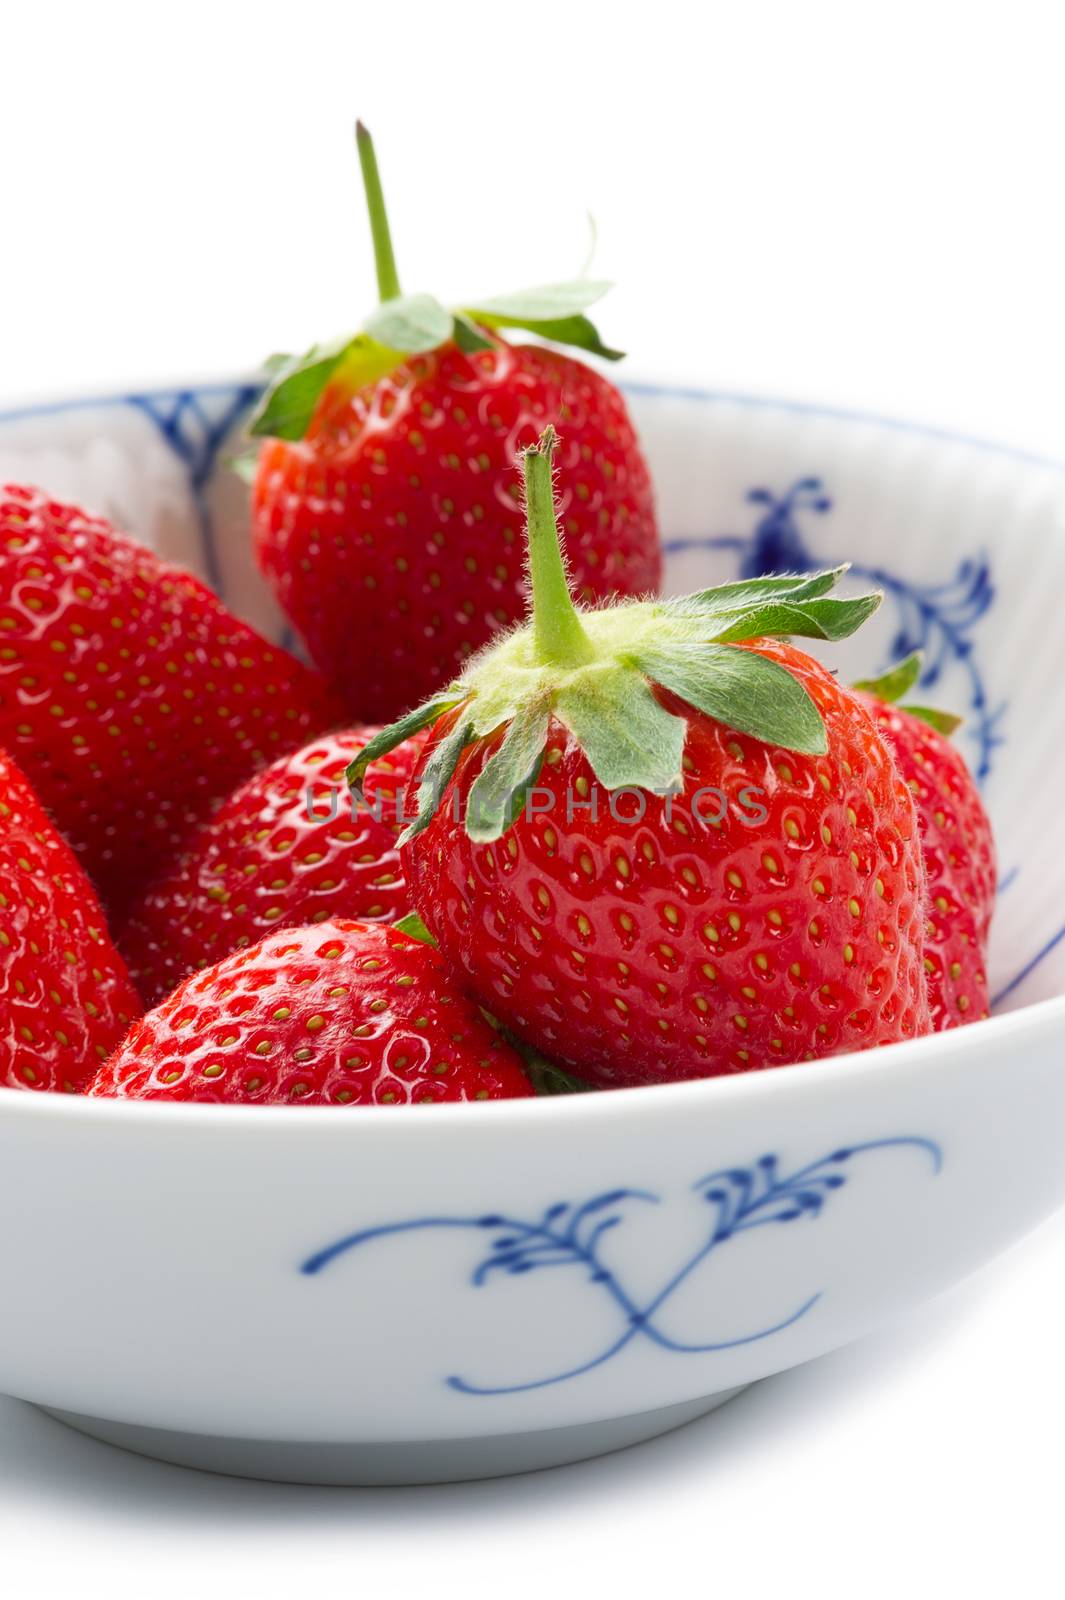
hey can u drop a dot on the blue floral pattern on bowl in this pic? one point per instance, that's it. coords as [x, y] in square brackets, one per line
[566, 1235]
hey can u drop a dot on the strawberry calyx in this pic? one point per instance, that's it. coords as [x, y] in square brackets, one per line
[404, 325]
[897, 681]
[597, 672]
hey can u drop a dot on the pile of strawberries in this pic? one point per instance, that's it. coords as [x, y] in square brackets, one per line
[521, 825]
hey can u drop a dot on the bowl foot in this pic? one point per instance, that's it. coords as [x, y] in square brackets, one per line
[403, 1462]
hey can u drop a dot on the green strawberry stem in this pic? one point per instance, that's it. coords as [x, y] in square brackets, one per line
[402, 325]
[560, 639]
[384, 258]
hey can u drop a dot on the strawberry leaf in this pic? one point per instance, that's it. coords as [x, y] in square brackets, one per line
[499, 791]
[286, 408]
[413, 926]
[749, 592]
[468, 336]
[545, 1077]
[630, 739]
[743, 690]
[775, 606]
[436, 774]
[549, 302]
[944, 722]
[410, 323]
[899, 680]
[554, 311]
[576, 331]
[390, 737]
[895, 682]
[822, 618]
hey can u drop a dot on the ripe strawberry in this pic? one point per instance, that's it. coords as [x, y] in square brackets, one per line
[287, 848]
[133, 699]
[391, 477]
[669, 933]
[957, 845]
[339, 1014]
[65, 997]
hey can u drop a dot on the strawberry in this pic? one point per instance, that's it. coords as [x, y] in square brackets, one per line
[389, 476]
[659, 843]
[956, 840]
[65, 997]
[286, 848]
[339, 1014]
[133, 699]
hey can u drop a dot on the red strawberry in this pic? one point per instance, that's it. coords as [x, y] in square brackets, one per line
[391, 479]
[65, 997]
[666, 938]
[265, 862]
[957, 844]
[340, 1014]
[133, 699]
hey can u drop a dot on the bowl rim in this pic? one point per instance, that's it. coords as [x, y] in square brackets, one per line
[1008, 1033]
[1026, 1025]
[14, 410]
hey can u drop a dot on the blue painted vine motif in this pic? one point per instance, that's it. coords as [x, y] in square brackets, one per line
[935, 618]
[196, 424]
[567, 1235]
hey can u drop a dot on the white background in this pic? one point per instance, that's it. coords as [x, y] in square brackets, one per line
[858, 203]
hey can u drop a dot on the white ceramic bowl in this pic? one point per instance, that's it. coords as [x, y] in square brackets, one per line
[397, 1296]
